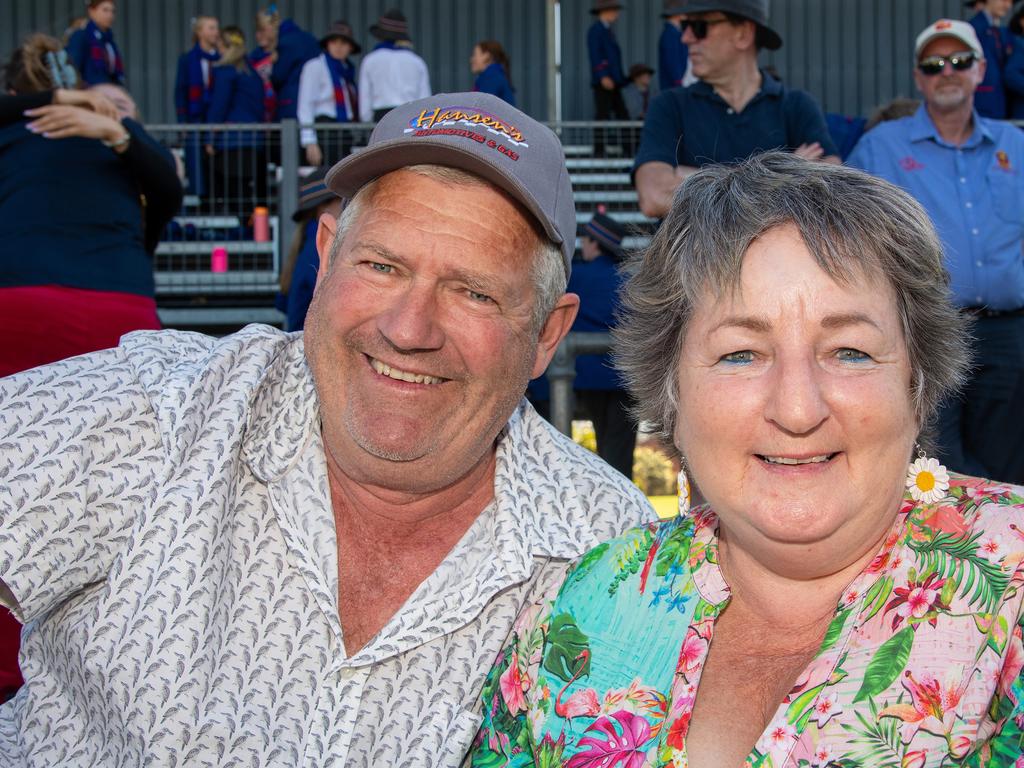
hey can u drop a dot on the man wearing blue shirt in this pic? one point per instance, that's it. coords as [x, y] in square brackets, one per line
[734, 111]
[990, 95]
[606, 74]
[968, 173]
[671, 49]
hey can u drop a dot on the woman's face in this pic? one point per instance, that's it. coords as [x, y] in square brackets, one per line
[479, 60]
[795, 413]
[102, 15]
[266, 36]
[339, 48]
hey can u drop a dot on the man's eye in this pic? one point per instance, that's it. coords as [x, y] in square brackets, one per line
[850, 355]
[378, 267]
[743, 356]
[483, 298]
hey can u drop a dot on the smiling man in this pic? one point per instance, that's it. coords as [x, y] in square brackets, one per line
[271, 549]
[968, 173]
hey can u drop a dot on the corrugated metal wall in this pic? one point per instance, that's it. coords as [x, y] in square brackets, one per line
[851, 54]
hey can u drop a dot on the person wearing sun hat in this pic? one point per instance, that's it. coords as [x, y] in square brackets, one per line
[302, 262]
[606, 71]
[672, 52]
[328, 94]
[735, 109]
[600, 393]
[392, 73]
[968, 172]
[321, 538]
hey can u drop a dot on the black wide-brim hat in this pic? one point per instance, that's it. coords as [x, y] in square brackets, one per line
[607, 232]
[755, 10]
[605, 5]
[312, 192]
[392, 25]
[341, 29]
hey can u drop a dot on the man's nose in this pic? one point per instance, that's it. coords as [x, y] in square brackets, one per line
[411, 323]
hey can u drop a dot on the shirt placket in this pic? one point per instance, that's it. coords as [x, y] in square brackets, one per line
[966, 195]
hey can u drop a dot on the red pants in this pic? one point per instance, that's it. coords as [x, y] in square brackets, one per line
[42, 324]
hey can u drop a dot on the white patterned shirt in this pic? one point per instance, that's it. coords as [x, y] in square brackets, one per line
[167, 532]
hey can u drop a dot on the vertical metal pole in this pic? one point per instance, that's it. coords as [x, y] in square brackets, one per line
[288, 200]
[561, 373]
[554, 30]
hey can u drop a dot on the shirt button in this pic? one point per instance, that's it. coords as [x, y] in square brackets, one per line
[963, 179]
[974, 231]
[978, 299]
[729, 111]
[978, 263]
[347, 673]
[970, 204]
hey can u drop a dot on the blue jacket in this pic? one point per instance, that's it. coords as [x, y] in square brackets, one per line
[493, 80]
[97, 240]
[605, 56]
[990, 97]
[237, 98]
[597, 283]
[295, 46]
[191, 98]
[672, 57]
[87, 49]
[1013, 79]
[300, 291]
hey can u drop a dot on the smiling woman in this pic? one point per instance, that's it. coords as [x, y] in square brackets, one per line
[789, 332]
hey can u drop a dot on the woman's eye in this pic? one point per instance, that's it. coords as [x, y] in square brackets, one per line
[743, 356]
[850, 355]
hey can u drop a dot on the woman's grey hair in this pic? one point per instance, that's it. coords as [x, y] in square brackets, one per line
[549, 278]
[854, 224]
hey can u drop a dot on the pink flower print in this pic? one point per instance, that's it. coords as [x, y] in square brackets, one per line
[691, 654]
[826, 707]
[850, 597]
[1013, 665]
[916, 759]
[778, 738]
[908, 163]
[823, 754]
[959, 747]
[619, 745]
[917, 599]
[934, 704]
[1019, 762]
[513, 686]
[992, 547]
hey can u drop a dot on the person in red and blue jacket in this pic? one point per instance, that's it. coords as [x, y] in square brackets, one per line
[990, 96]
[672, 51]
[193, 89]
[92, 49]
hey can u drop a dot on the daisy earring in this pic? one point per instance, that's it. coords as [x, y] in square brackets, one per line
[927, 479]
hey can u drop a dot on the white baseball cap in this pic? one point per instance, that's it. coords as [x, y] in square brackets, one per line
[959, 30]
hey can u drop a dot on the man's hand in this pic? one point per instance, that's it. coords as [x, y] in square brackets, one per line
[607, 83]
[314, 155]
[60, 122]
[93, 100]
[810, 151]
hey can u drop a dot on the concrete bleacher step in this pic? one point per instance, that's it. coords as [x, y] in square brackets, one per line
[606, 196]
[599, 163]
[629, 218]
[604, 179]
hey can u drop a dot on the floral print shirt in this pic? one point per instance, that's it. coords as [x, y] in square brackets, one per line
[920, 667]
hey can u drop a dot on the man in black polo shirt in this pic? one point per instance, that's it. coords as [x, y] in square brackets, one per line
[734, 111]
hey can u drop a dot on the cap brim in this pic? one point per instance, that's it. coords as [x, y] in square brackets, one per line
[355, 171]
[772, 40]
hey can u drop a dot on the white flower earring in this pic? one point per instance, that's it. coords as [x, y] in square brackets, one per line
[927, 479]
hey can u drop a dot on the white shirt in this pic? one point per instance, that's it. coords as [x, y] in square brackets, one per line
[167, 531]
[316, 97]
[389, 77]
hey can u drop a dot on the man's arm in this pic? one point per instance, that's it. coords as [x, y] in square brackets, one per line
[808, 131]
[656, 185]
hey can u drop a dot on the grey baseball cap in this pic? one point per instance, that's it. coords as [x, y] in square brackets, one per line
[478, 133]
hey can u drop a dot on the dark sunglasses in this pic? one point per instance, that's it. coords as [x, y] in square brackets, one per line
[935, 64]
[699, 27]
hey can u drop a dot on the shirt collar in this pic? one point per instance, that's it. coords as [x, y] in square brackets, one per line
[769, 87]
[922, 129]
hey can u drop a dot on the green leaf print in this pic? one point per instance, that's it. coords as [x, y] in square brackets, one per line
[630, 559]
[877, 741]
[675, 550]
[977, 579]
[587, 562]
[889, 660]
[877, 595]
[835, 629]
[568, 653]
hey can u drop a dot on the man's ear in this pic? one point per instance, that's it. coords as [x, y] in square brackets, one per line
[325, 235]
[555, 328]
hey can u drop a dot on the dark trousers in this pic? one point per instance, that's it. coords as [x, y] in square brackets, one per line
[982, 431]
[238, 180]
[614, 427]
[335, 144]
[608, 105]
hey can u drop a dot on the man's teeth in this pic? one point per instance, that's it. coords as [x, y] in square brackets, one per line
[394, 373]
[785, 460]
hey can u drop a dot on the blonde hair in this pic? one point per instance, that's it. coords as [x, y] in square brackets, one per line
[196, 23]
[234, 48]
